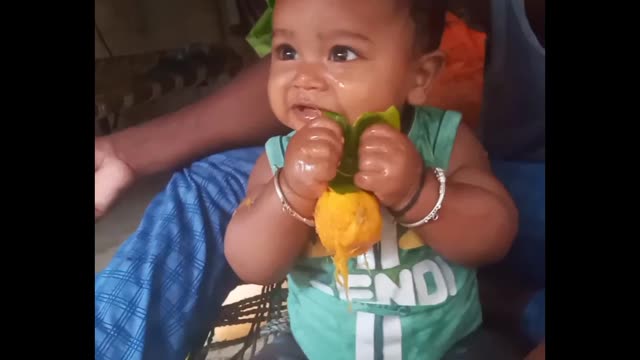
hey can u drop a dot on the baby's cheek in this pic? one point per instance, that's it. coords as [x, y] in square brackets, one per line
[277, 99]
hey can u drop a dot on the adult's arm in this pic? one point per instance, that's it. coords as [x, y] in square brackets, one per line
[236, 115]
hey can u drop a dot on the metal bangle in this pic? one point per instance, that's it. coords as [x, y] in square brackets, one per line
[286, 208]
[433, 214]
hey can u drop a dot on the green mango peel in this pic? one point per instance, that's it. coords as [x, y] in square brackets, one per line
[343, 182]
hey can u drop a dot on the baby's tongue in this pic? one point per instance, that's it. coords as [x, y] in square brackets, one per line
[311, 113]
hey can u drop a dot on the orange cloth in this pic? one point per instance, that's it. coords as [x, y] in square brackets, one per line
[459, 86]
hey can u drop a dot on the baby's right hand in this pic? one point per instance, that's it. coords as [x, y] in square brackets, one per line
[313, 157]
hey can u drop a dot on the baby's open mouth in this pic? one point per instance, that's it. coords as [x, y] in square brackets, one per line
[307, 112]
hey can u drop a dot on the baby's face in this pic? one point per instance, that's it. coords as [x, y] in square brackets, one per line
[345, 56]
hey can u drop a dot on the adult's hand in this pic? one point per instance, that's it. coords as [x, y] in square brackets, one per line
[215, 123]
[112, 176]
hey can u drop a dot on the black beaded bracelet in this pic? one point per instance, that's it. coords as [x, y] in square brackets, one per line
[414, 199]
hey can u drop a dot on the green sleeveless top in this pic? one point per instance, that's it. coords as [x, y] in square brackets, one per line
[408, 302]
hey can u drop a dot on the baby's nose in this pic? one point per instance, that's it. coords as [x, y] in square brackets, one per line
[309, 77]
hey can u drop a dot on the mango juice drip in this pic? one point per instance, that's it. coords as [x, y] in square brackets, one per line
[348, 225]
[348, 219]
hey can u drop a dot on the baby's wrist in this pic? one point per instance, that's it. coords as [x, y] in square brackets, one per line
[426, 199]
[300, 204]
[411, 197]
[429, 202]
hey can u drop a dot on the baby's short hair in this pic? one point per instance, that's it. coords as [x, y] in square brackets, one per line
[429, 17]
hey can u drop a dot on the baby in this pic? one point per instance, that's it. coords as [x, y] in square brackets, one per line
[414, 294]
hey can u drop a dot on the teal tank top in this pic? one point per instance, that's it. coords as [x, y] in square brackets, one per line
[407, 301]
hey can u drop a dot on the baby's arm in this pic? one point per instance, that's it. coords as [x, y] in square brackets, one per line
[262, 241]
[478, 219]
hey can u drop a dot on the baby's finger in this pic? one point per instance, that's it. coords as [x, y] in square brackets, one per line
[323, 133]
[322, 148]
[329, 125]
[380, 130]
[371, 162]
[325, 171]
[376, 146]
[366, 180]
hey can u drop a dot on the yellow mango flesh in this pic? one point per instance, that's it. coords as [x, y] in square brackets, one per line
[347, 225]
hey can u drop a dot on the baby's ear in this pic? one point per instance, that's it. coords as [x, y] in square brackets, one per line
[427, 68]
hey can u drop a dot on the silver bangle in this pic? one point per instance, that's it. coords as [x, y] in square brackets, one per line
[433, 215]
[286, 208]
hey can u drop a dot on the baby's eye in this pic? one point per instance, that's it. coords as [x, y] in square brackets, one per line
[286, 52]
[342, 53]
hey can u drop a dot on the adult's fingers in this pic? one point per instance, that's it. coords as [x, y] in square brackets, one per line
[111, 180]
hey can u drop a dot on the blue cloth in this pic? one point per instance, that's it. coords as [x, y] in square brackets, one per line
[526, 183]
[533, 320]
[161, 292]
[512, 123]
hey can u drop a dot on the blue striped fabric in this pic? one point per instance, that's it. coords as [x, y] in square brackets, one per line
[161, 292]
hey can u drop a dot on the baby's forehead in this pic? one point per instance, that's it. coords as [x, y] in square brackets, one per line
[355, 9]
[344, 14]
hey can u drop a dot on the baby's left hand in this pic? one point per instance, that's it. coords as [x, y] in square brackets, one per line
[389, 165]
